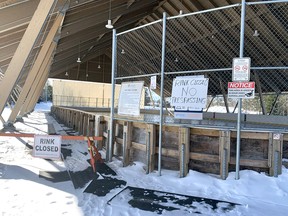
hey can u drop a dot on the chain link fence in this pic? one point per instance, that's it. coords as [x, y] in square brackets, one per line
[205, 43]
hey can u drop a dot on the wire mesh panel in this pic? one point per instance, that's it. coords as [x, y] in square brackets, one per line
[205, 43]
[139, 51]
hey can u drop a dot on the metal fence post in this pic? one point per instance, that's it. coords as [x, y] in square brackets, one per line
[114, 70]
[161, 93]
[243, 12]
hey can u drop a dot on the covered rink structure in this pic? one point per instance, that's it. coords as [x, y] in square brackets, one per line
[162, 38]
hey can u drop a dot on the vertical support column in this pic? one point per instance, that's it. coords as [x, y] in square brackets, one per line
[99, 130]
[184, 150]
[127, 141]
[224, 153]
[150, 147]
[275, 152]
[162, 91]
[241, 53]
[113, 74]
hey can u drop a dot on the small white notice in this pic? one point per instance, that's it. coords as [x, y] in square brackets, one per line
[153, 83]
[47, 146]
[241, 90]
[241, 69]
[130, 97]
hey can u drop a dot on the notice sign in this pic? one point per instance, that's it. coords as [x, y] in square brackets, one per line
[130, 97]
[189, 96]
[241, 69]
[153, 84]
[47, 146]
[241, 89]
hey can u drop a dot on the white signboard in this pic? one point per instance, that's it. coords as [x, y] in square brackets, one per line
[130, 97]
[47, 146]
[241, 90]
[241, 69]
[153, 83]
[189, 96]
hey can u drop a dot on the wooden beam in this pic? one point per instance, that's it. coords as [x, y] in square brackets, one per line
[258, 84]
[42, 75]
[24, 49]
[36, 67]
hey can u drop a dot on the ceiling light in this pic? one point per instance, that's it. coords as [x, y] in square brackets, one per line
[66, 74]
[123, 51]
[256, 34]
[109, 24]
[78, 60]
[180, 12]
[176, 59]
[99, 66]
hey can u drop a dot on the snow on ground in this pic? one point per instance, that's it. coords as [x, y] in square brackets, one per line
[23, 193]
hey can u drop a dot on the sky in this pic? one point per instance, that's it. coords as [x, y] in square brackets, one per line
[23, 193]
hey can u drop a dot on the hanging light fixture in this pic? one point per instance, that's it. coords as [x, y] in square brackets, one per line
[66, 74]
[181, 11]
[109, 24]
[79, 59]
[99, 66]
[123, 51]
[256, 34]
[176, 59]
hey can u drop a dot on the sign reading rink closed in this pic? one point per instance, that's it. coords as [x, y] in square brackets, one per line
[130, 97]
[47, 146]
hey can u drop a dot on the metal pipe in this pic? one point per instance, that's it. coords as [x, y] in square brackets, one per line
[266, 2]
[161, 93]
[113, 72]
[137, 76]
[242, 31]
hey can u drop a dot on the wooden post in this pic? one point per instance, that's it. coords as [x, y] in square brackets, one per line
[184, 150]
[99, 130]
[275, 152]
[151, 143]
[224, 153]
[127, 139]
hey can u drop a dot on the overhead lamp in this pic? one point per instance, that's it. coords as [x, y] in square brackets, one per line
[87, 75]
[123, 51]
[256, 34]
[99, 66]
[79, 59]
[109, 24]
[180, 12]
[176, 59]
[66, 74]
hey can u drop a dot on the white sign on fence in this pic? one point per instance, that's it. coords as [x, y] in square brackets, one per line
[153, 82]
[241, 90]
[47, 146]
[130, 97]
[241, 69]
[189, 96]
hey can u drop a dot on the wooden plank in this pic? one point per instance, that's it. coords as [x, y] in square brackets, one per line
[205, 132]
[23, 50]
[204, 157]
[151, 143]
[251, 135]
[184, 150]
[224, 153]
[127, 141]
